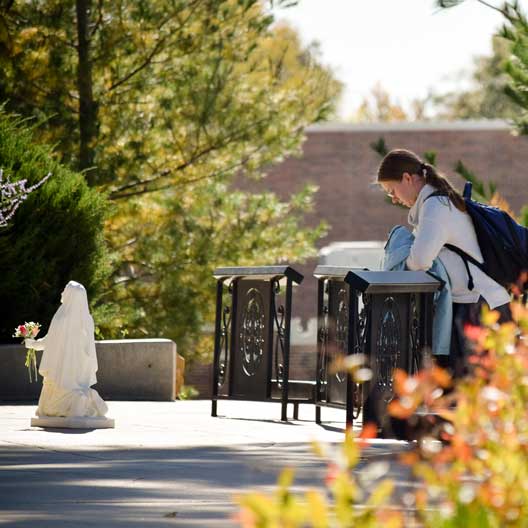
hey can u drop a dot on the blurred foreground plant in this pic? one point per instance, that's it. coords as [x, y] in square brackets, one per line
[471, 457]
[358, 499]
[474, 463]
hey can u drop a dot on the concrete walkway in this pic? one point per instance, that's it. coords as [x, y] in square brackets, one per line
[165, 464]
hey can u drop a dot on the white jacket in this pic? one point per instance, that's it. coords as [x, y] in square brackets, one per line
[436, 222]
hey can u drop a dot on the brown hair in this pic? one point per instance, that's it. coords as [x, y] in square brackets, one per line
[398, 161]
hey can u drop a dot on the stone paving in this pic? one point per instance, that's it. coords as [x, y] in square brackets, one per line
[165, 464]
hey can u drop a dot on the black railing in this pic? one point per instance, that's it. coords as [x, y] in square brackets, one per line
[252, 337]
[387, 316]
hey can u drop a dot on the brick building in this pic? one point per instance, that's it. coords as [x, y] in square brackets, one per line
[340, 161]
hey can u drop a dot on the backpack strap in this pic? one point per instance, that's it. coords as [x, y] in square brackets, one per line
[466, 258]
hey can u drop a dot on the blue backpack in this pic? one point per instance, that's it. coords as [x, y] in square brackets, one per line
[502, 241]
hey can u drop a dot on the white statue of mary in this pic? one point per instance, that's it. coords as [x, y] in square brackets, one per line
[68, 366]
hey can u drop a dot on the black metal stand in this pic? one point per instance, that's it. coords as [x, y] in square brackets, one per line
[252, 338]
[387, 316]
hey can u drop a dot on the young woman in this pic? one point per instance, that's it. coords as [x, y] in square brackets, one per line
[438, 220]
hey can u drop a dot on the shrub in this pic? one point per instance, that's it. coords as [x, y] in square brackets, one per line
[55, 236]
[479, 473]
[472, 464]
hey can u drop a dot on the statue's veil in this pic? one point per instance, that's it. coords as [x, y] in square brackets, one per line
[70, 359]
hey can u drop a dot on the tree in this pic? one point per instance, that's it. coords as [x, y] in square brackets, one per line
[56, 234]
[161, 104]
[166, 288]
[487, 97]
[515, 32]
[379, 107]
[164, 85]
[512, 61]
[5, 36]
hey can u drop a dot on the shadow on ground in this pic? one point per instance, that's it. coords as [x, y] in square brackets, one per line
[145, 487]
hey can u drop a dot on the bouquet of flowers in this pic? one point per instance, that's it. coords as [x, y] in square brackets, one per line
[29, 330]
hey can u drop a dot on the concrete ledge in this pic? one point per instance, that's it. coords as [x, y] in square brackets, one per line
[129, 369]
[138, 369]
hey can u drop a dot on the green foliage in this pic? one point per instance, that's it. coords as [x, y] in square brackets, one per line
[164, 285]
[515, 31]
[6, 7]
[448, 3]
[430, 157]
[183, 97]
[380, 147]
[523, 217]
[188, 392]
[55, 236]
[179, 88]
[479, 191]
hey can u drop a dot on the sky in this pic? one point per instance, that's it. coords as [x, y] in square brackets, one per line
[409, 46]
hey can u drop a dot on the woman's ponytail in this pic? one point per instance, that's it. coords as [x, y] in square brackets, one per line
[436, 180]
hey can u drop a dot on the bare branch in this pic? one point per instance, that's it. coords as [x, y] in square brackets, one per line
[216, 175]
[142, 66]
[99, 20]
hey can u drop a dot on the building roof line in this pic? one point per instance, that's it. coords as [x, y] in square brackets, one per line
[467, 124]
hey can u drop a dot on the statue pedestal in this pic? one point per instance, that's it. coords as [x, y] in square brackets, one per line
[73, 422]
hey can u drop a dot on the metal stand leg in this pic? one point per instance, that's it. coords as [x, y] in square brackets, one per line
[317, 414]
[295, 411]
[216, 357]
[284, 412]
[349, 416]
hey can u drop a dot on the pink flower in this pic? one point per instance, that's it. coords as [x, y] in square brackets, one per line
[474, 333]
[22, 330]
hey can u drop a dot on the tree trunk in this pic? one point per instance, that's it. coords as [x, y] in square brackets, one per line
[87, 106]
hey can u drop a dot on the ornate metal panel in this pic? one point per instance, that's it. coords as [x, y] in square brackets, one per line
[337, 343]
[359, 338]
[341, 328]
[415, 337]
[252, 332]
[335, 337]
[223, 360]
[322, 340]
[388, 351]
[384, 315]
[278, 314]
[252, 339]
